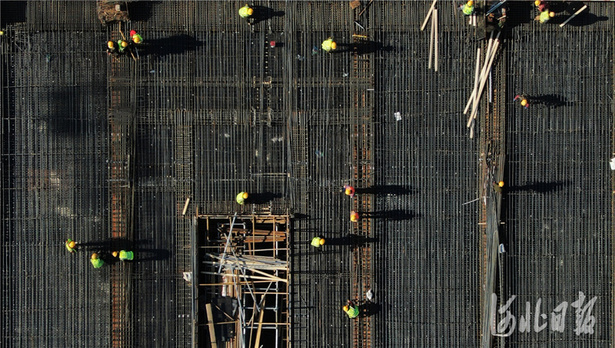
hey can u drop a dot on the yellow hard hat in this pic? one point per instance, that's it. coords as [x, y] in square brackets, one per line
[250, 11]
[524, 102]
[537, 3]
[348, 191]
[345, 308]
[72, 244]
[501, 184]
[333, 45]
[551, 14]
[110, 44]
[245, 195]
[470, 3]
[321, 241]
[94, 256]
[136, 39]
[114, 254]
[124, 44]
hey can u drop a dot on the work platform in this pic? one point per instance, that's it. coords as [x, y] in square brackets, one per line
[150, 154]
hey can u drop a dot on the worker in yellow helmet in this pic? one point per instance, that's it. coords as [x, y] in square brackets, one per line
[354, 216]
[122, 46]
[70, 245]
[329, 45]
[545, 16]
[246, 12]
[349, 190]
[111, 48]
[136, 38]
[96, 261]
[318, 241]
[467, 8]
[241, 197]
[351, 310]
[124, 255]
[523, 100]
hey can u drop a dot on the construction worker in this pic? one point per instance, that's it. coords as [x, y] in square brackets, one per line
[467, 8]
[122, 46]
[351, 310]
[498, 186]
[246, 11]
[112, 47]
[349, 190]
[71, 245]
[136, 38]
[96, 261]
[541, 5]
[124, 255]
[318, 241]
[545, 16]
[523, 100]
[354, 216]
[329, 45]
[241, 197]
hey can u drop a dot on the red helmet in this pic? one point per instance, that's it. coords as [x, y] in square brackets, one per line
[132, 32]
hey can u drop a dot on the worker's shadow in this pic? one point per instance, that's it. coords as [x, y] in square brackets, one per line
[389, 215]
[585, 18]
[263, 13]
[540, 187]
[368, 309]
[351, 240]
[385, 190]
[263, 197]
[175, 44]
[549, 100]
[107, 246]
[366, 47]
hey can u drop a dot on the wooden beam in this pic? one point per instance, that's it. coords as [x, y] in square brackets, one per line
[574, 15]
[433, 5]
[210, 324]
[260, 324]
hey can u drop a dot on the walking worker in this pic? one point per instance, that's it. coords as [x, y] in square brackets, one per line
[329, 45]
[541, 5]
[318, 241]
[351, 310]
[545, 16]
[523, 100]
[246, 12]
[112, 47]
[71, 245]
[349, 190]
[354, 216]
[96, 261]
[124, 255]
[122, 46]
[241, 197]
[136, 38]
[467, 8]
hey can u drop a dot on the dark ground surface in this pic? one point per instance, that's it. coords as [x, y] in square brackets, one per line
[218, 112]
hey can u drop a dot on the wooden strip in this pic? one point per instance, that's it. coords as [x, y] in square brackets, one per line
[433, 5]
[574, 15]
[210, 324]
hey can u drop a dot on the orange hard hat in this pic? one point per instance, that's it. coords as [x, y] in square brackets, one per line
[250, 11]
[501, 184]
[333, 45]
[354, 216]
[114, 254]
[110, 44]
[345, 308]
[321, 241]
[524, 102]
[245, 195]
[136, 39]
[537, 3]
[348, 190]
[94, 256]
[470, 3]
[72, 244]
[551, 14]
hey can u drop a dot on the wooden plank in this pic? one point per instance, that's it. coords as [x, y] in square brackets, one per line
[210, 324]
[574, 15]
[260, 324]
[433, 5]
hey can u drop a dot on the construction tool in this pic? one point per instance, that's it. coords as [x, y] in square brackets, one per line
[495, 7]
[574, 15]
